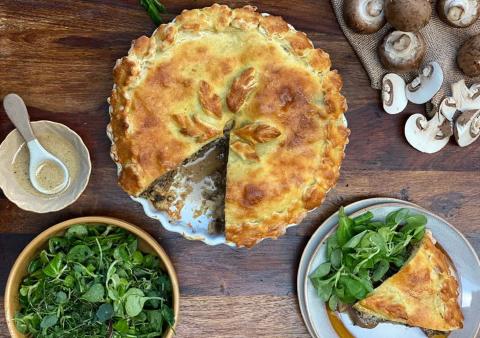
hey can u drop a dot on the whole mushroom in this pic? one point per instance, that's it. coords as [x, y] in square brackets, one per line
[459, 13]
[408, 15]
[402, 51]
[364, 16]
[468, 57]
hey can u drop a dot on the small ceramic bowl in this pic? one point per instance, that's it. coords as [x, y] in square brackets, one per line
[19, 270]
[39, 203]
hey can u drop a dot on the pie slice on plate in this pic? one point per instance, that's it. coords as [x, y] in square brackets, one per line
[424, 293]
[218, 70]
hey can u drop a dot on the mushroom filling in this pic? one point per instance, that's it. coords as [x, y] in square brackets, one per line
[168, 193]
[369, 322]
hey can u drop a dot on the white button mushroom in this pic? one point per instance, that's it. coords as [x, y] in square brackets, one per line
[364, 16]
[426, 85]
[393, 94]
[458, 13]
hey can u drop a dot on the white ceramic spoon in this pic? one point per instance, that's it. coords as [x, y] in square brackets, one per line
[18, 114]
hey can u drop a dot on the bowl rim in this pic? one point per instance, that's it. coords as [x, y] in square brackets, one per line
[83, 147]
[11, 290]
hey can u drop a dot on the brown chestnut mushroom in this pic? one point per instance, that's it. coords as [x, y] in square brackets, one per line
[364, 16]
[408, 15]
[402, 51]
[459, 13]
[468, 57]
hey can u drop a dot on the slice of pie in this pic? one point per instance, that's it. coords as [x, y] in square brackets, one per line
[253, 75]
[424, 293]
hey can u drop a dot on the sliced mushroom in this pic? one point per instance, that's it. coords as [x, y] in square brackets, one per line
[364, 16]
[426, 85]
[448, 108]
[467, 128]
[468, 57]
[458, 13]
[393, 94]
[428, 136]
[466, 98]
[402, 51]
[408, 15]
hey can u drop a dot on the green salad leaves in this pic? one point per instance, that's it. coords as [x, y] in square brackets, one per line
[363, 252]
[95, 282]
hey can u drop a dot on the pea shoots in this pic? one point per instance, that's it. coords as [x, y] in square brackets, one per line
[95, 282]
[363, 252]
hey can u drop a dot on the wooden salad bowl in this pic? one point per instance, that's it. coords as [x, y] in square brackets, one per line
[19, 270]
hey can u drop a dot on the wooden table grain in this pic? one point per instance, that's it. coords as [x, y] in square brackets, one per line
[58, 55]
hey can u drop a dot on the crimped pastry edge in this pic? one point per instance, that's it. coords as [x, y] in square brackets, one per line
[186, 230]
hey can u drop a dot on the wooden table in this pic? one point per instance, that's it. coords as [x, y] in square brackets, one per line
[58, 55]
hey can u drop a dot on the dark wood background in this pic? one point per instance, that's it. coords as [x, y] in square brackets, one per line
[58, 55]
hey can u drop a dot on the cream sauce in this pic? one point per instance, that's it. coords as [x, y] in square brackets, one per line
[48, 174]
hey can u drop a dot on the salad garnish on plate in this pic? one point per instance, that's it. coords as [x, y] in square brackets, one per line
[390, 270]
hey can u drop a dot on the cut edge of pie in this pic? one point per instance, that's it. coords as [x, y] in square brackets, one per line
[424, 293]
[289, 130]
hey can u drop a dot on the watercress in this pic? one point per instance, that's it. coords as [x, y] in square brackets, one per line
[94, 282]
[362, 253]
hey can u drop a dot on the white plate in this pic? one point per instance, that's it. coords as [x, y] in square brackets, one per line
[460, 251]
[318, 236]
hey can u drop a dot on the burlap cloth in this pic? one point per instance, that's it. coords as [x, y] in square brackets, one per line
[443, 42]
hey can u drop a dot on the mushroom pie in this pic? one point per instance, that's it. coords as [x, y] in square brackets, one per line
[250, 76]
[424, 293]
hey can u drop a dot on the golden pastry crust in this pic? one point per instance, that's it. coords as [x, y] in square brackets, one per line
[177, 90]
[424, 293]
